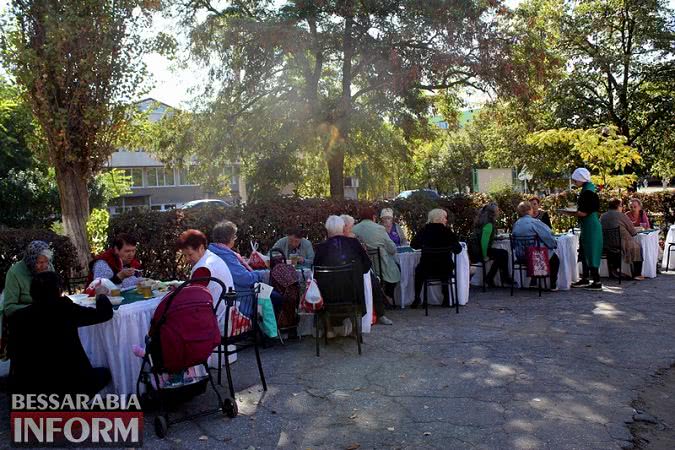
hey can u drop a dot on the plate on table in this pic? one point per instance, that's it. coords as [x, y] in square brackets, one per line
[116, 300]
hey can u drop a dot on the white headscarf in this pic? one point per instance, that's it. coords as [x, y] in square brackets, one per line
[581, 174]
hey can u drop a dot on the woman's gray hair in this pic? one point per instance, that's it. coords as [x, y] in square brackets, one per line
[636, 200]
[224, 232]
[487, 214]
[349, 220]
[436, 215]
[335, 225]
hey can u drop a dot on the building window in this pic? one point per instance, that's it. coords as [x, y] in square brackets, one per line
[151, 177]
[136, 175]
[169, 177]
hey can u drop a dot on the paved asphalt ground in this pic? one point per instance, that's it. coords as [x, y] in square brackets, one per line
[559, 372]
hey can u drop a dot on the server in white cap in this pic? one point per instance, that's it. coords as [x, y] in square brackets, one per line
[590, 241]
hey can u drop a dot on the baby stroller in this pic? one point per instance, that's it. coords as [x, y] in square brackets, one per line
[183, 334]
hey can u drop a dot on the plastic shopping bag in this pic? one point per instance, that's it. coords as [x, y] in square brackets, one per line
[538, 264]
[256, 261]
[109, 285]
[312, 300]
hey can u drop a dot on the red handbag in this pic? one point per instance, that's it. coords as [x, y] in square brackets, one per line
[538, 264]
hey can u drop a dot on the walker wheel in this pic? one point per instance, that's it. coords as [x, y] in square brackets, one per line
[161, 426]
[230, 408]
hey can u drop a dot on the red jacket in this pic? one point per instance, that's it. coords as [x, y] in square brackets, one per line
[114, 261]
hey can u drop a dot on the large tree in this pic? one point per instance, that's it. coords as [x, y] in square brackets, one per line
[622, 59]
[79, 64]
[328, 64]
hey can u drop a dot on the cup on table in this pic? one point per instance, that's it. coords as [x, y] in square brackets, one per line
[115, 292]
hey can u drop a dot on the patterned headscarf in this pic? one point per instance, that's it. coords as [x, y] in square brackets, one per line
[35, 249]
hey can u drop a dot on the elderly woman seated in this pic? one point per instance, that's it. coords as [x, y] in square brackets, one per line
[36, 259]
[118, 263]
[435, 235]
[192, 244]
[630, 248]
[49, 327]
[349, 224]
[340, 250]
[394, 230]
[637, 215]
[295, 244]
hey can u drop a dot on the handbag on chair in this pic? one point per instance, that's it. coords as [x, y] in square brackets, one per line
[538, 264]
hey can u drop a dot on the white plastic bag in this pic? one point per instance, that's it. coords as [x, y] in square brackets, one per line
[106, 283]
[312, 300]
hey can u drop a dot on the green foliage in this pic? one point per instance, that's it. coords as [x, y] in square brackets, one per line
[97, 230]
[19, 137]
[13, 243]
[602, 150]
[108, 185]
[29, 199]
[78, 63]
[622, 57]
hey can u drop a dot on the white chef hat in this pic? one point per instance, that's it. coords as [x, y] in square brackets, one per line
[581, 174]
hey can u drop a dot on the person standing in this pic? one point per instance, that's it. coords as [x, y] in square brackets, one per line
[590, 241]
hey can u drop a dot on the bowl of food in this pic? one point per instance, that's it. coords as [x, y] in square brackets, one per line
[116, 300]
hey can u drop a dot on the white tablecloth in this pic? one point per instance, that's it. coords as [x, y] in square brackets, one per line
[405, 292]
[649, 244]
[670, 239]
[567, 253]
[109, 344]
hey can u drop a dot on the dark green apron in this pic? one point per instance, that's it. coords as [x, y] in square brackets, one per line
[591, 234]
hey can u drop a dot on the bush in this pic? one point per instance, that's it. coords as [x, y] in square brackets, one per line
[13, 243]
[265, 221]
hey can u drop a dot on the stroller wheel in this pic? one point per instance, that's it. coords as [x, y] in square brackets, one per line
[230, 408]
[161, 426]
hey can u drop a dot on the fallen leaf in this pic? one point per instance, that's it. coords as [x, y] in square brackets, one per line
[427, 433]
[354, 446]
[353, 416]
[203, 438]
[357, 388]
[295, 394]
[426, 407]
[390, 429]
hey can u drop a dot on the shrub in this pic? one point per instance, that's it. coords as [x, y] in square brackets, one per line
[266, 220]
[97, 230]
[13, 243]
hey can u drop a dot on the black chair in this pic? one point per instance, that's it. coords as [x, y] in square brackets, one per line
[519, 246]
[670, 248]
[612, 249]
[437, 254]
[244, 333]
[75, 284]
[376, 258]
[340, 296]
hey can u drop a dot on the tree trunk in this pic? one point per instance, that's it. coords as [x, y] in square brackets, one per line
[336, 167]
[72, 184]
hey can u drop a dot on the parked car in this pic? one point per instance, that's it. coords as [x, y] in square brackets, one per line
[206, 203]
[430, 193]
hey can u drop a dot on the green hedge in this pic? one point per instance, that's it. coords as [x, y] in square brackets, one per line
[13, 243]
[266, 221]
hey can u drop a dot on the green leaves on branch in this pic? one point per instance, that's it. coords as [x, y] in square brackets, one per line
[602, 150]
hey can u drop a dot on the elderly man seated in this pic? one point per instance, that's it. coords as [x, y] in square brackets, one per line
[295, 244]
[528, 226]
[118, 263]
